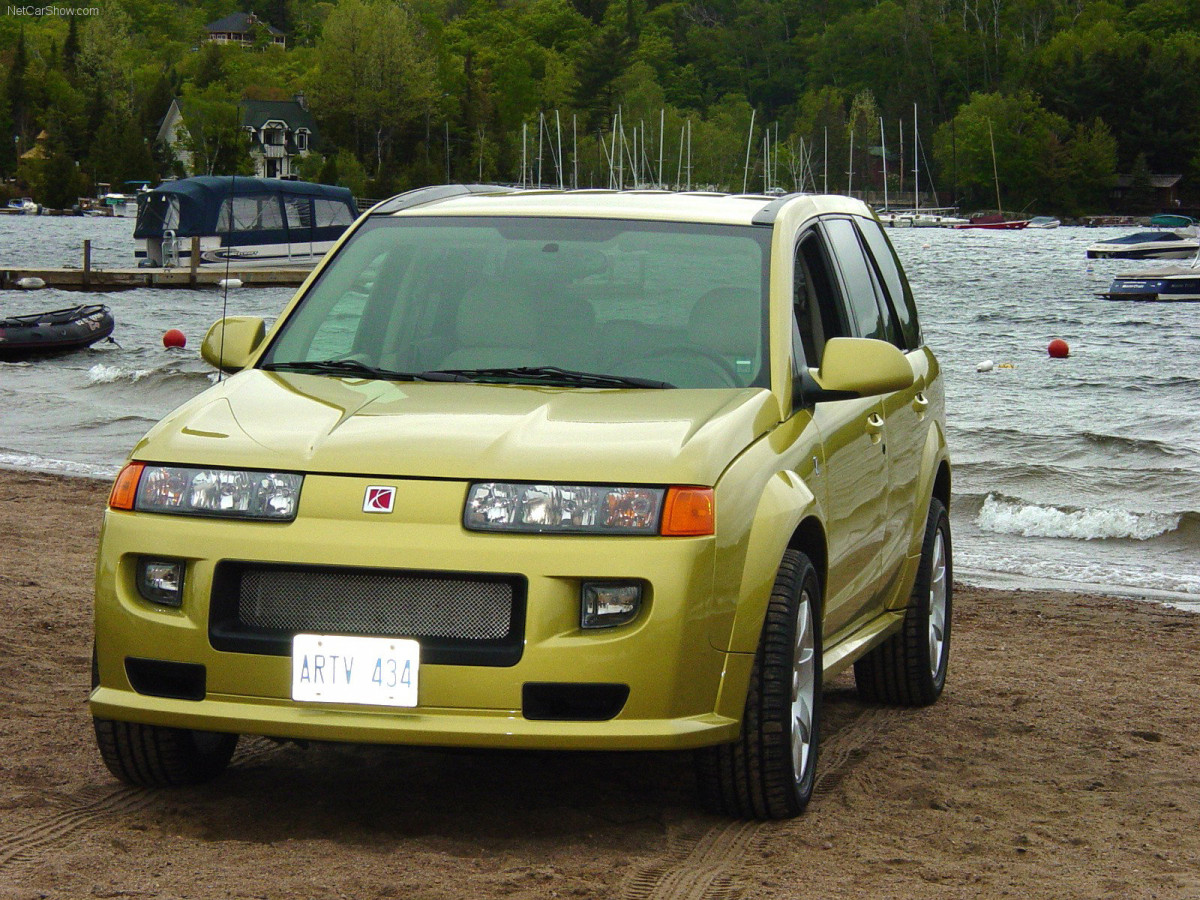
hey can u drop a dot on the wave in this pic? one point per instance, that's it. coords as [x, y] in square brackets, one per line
[101, 374]
[1121, 442]
[31, 462]
[1004, 516]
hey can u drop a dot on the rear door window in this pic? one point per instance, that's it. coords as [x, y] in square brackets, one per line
[892, 275]
[858, 279]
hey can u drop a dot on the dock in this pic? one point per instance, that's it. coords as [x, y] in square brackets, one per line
[78, 279]
[87, 278]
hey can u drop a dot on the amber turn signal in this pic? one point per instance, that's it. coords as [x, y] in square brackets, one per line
[124, 490]
[688, 511]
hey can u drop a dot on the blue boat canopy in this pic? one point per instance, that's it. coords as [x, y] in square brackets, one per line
[204, 205]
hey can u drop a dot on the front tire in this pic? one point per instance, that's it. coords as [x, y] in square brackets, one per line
[909, 669]
[154, 756]
[769, 772]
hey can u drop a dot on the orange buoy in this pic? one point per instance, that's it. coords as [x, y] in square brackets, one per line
[1058, 349]
[174, 338]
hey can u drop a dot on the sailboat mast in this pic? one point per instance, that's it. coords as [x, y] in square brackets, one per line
[749, 144]
[916, 164]
[850, 174]
[883, 153]
[995, 172]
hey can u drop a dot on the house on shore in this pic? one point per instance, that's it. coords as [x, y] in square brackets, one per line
[243, 29]
[281, 132]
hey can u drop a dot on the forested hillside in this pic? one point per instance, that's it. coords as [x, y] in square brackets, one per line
[410, 93]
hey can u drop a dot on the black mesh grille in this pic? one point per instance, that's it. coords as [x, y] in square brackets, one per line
[458, 619]
[389, 604]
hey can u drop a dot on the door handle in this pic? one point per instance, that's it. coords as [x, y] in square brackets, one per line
[874, 427]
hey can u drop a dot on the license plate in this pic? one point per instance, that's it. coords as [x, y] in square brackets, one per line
[340, 669]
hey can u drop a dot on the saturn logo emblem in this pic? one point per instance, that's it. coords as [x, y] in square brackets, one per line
[379, 499]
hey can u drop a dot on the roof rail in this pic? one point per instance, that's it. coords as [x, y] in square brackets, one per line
[766, 215]
[432, 194]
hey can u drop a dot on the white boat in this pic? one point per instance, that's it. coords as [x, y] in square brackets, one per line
[919, 218]
[247, 221]
[1166, 284]
[1180, 243]
[23, 207]
[1043, 222]
[121, 205]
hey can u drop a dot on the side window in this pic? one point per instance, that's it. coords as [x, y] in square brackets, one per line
[819, 313]
[299, 212]
[256, 213]
[858, 279]
[331, 212]
[888, 265]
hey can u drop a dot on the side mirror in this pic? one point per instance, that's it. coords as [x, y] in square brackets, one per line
[231, 341]
[856, 367]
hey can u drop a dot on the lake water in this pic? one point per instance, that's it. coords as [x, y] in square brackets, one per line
[1078, 473]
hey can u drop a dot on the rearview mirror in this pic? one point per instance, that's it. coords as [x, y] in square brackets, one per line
[231, 342]
[857, 367]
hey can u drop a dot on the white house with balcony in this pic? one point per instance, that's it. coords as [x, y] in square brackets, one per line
[281, 133]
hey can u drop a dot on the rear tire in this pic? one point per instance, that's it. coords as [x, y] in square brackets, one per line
[909, 669]
[154, 756]
[769, 772]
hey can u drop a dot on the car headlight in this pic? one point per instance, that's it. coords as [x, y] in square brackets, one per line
[223, 493]
[565, 508]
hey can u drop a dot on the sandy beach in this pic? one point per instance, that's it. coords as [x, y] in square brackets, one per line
[1062, 762]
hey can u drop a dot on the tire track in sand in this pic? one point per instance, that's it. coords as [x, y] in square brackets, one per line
[95, 802]
[708, 865]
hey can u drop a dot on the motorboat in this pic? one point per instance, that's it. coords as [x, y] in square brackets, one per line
[1043, 222]
[25, 206]
[55, 331]
[120, 205]
[241, 220]
[995, 222]
[1178, 244]
[1166, 284]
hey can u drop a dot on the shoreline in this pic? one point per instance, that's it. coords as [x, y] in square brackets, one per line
[1053, 766]
[963, 576]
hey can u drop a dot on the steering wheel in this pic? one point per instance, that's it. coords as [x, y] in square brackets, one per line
[691, 355]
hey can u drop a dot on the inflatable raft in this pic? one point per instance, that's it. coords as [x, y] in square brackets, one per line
[55, 331]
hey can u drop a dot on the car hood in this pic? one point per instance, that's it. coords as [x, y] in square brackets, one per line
[316, 423]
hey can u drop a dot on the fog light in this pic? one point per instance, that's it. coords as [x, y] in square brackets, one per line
[161, 581]
[604, 604]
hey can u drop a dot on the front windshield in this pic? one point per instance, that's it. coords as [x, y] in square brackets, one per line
[676, 303]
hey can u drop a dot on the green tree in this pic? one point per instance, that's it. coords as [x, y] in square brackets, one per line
[375, 73]
[70, 53]
[212, 134]
[1026, 138]
[58, 183]
[119, 152]
[16, 92]
[8, 146]
[1141, 191]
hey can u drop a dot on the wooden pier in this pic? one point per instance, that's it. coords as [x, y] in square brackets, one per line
[124, 279]
[86, 278]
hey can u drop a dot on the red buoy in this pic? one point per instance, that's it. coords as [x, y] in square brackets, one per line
[174, 338]
[1058, 349]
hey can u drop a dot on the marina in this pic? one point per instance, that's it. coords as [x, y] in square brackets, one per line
[1054, 477]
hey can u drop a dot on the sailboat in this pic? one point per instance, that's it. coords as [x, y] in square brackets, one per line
[996, 221]
[930, 217]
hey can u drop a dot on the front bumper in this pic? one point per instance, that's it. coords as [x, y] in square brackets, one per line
[682, 691]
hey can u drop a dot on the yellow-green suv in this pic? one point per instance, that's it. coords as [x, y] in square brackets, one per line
[533, 469]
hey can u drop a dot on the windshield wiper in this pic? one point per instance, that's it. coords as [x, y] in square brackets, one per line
[552, 375]
[355, 369]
